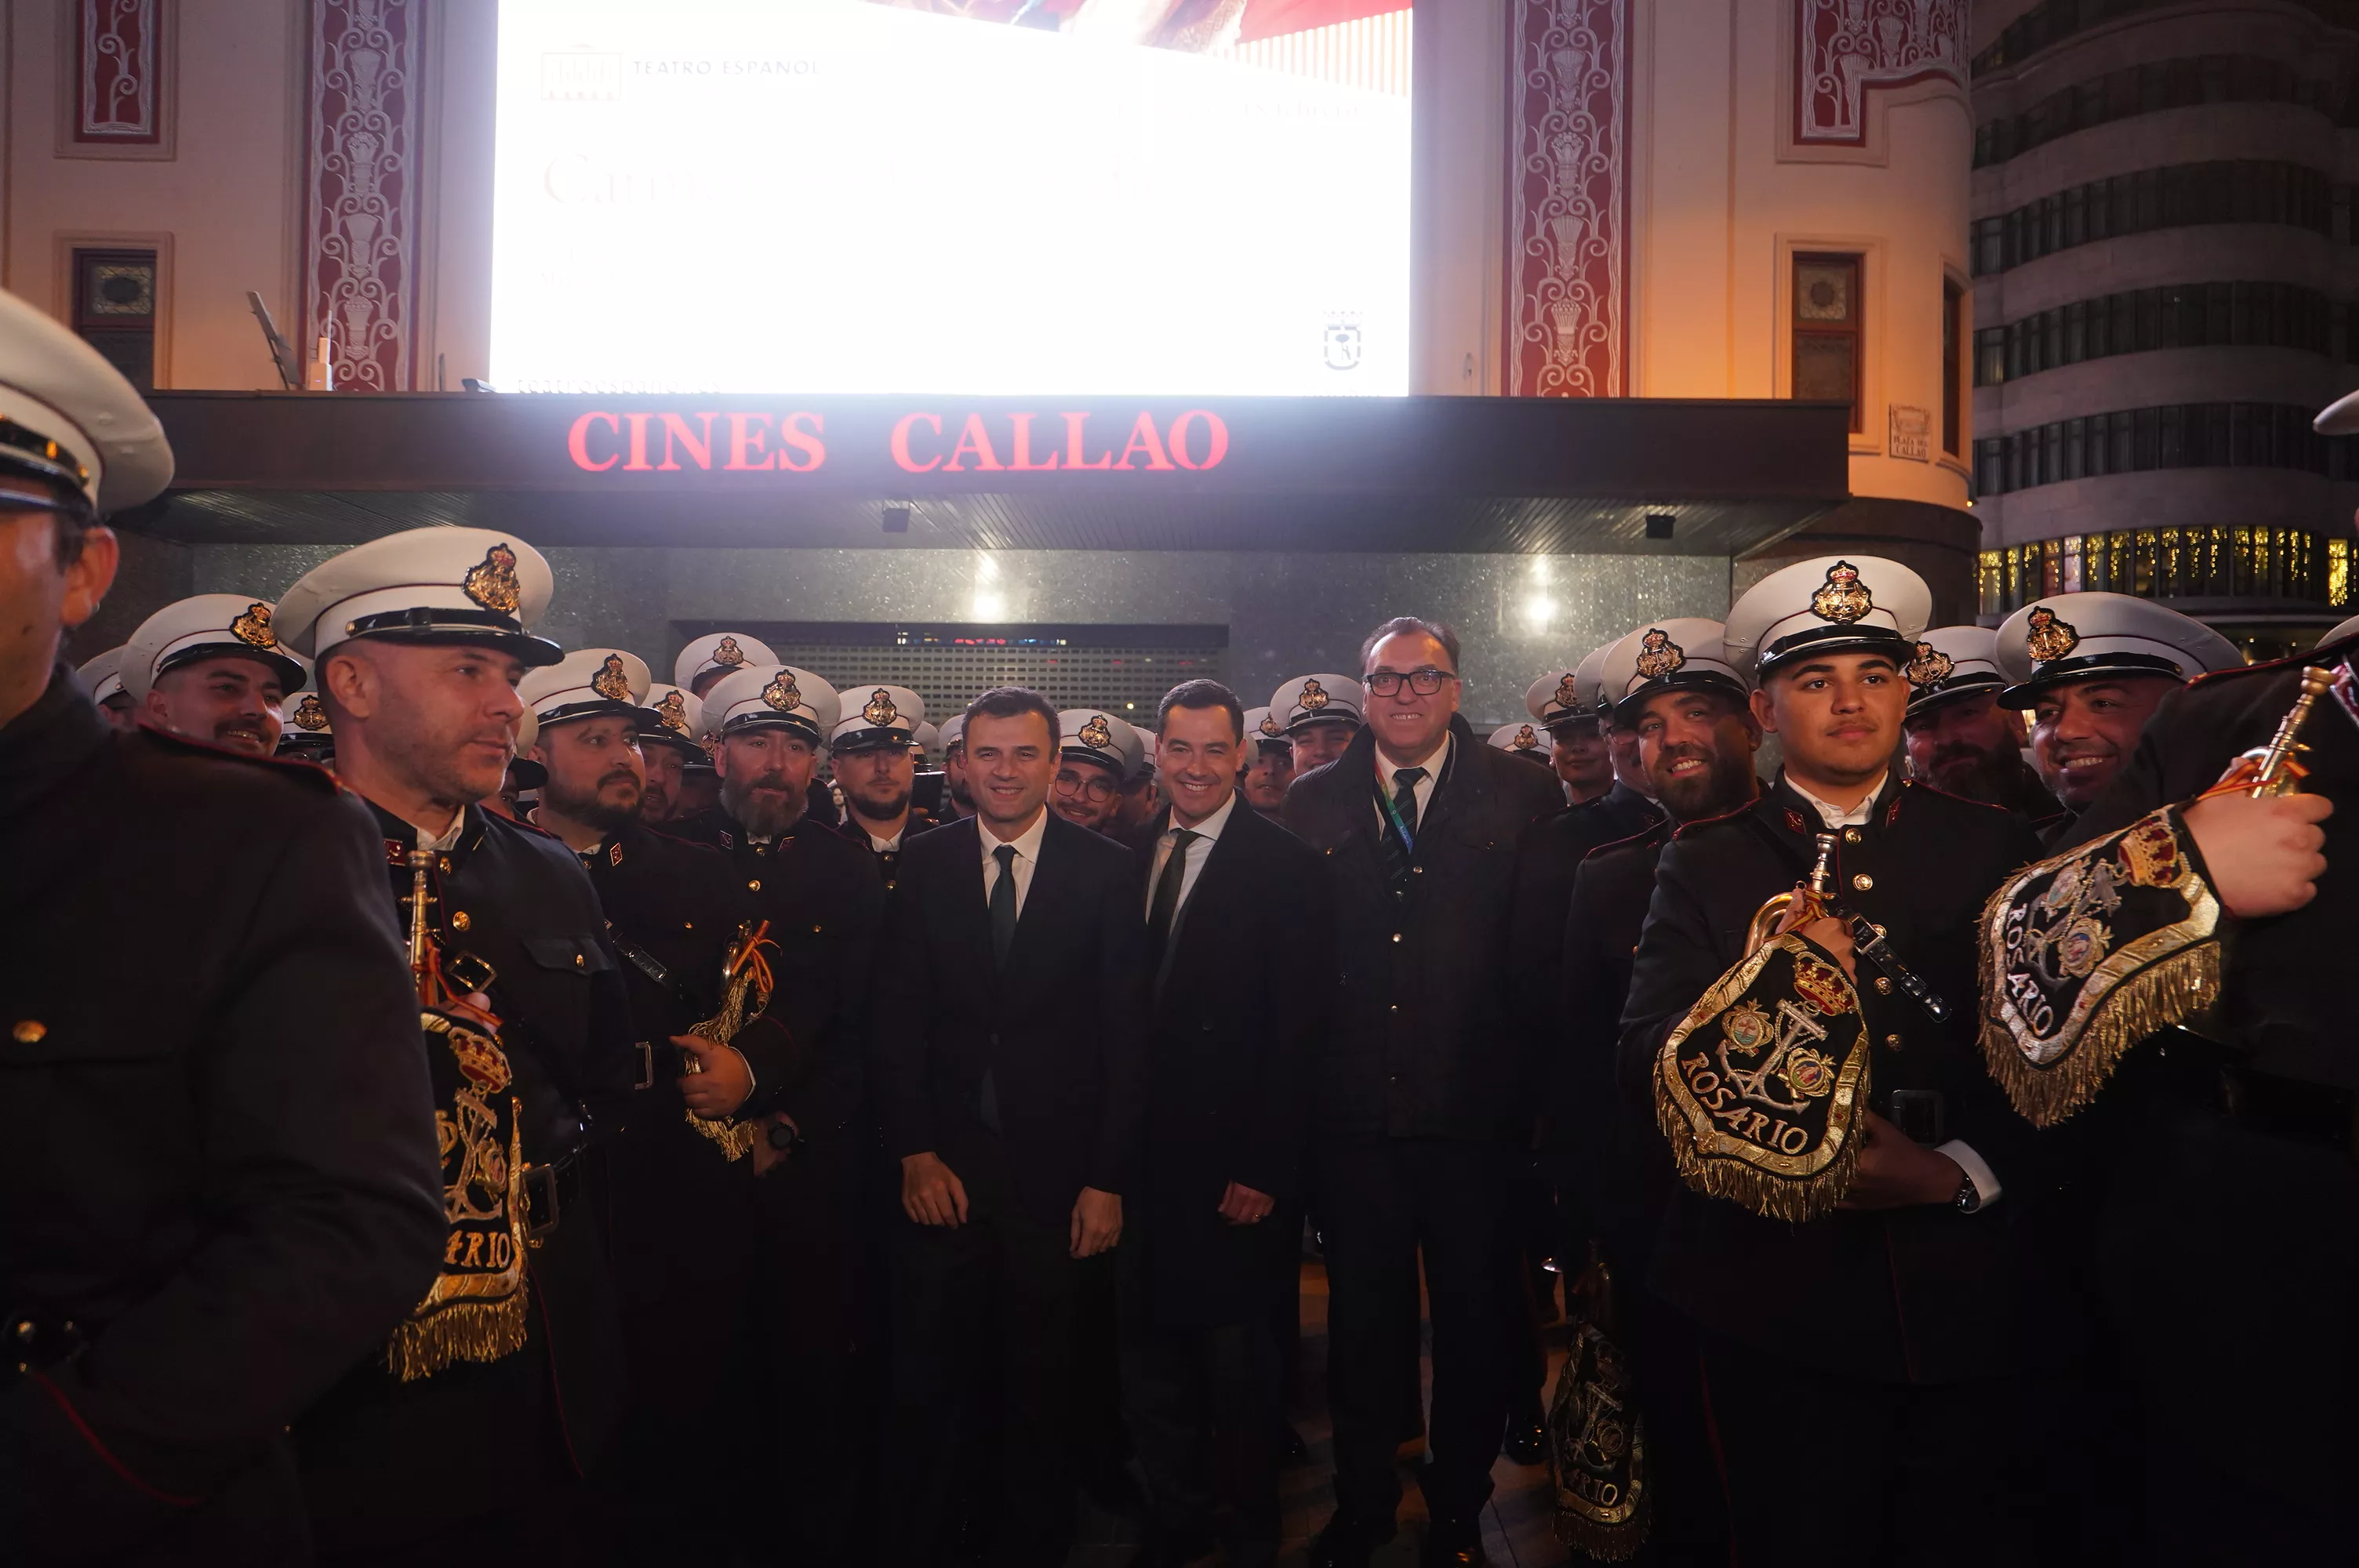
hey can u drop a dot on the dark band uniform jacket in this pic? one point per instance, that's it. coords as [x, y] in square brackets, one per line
[1559, 846]
[682, 1209]
[1922, 1295]
[1237, 1006]
[382, 1460]
[1062, 1029]
[825, 904]
[1433, 1037]
[2265, 1198]
[216, 1135]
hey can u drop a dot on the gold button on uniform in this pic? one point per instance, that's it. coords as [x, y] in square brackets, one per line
[755, 886]
[1863, 881]
[459, 921]
[29, 1032]
[1396, 935]
[1893, 1040]
[1883, 986]
[577, 960]
[1850, 835]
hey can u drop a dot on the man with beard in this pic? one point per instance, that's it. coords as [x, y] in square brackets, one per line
[1960, 739]
[216, 1136]
[668, 749]
[1320, 714]
[211, 669]
[1583, 762]
[1674, 690]
[1269, 763]
[682, 1210]
[103, 676]
[825, 902]
[503, 1390]
[2092, 668]
[1853, 1295]
[875, 754]
[1096, 753]
[954, 780]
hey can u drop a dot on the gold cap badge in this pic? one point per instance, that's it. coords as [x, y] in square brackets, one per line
[727, 651]
[253, 628]
[1270, 726]
[2050, 638]
[1524, 739]
[491, 581]
[1567, 693]
[673, 711]
[1095, 733]
[1314, 698]
[309, 715]
[880, 711]
[1842, 598]
[1659, 656]
[782, 693]
[610, 682]
[1930, 666]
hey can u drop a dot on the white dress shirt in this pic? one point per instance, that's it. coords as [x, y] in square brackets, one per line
[887, 846]
[1206, 832]
[1027, 846]
[1977, 1170]
[1432, 763]
[442, 843]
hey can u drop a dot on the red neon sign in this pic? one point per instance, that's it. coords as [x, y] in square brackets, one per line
[919, 442]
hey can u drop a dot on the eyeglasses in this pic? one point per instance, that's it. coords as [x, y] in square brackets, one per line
[1424, 682]
[1071, 783]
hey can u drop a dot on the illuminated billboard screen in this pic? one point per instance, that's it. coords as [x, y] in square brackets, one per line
[1056, 197]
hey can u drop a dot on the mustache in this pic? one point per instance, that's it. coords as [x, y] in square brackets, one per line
[2064, 751]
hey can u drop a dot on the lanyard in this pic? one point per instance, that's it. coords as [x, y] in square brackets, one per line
[1393, 815]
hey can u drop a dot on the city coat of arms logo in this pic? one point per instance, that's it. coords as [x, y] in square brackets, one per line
[1930, 666]
[491, 581]
[782, 693]
[2050, 638]
[1842, 598]
[1659, 656]
[1343, 344]
[1095, 733]
[253, 628]
[880, 711]
[611, 682]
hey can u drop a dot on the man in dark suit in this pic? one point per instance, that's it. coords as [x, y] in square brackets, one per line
[1242, 973]
[1422, 1098]
[1011, 1080]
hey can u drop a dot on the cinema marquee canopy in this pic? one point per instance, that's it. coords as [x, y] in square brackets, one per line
[1446, 474]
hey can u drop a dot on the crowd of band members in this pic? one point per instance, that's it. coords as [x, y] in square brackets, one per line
[1007, 1183]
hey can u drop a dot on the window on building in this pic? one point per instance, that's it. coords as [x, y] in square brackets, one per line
[1827, 317]
[1953, 334]
[114, 309]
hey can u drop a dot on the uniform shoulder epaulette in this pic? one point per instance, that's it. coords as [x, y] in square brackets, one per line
[1652, 834]
[293, 767]
[1945, 794]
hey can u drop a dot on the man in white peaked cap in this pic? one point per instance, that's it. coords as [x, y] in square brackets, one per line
[211, 668]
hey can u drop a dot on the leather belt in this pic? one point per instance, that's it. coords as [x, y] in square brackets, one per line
[550, 1190]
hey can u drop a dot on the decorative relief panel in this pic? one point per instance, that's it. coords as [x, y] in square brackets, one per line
[1844, 48]
[1567, 197]
[115, 63]
[360, 194]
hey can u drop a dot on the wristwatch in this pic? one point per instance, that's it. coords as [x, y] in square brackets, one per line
[1969, 1198]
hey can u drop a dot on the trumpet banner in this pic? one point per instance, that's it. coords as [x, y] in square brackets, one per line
[1760, 1089]
[1597, 1453]
[2087, 952]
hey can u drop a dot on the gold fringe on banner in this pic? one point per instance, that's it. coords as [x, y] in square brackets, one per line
[735, 1138]
[2087, 952]
[746, 989]
[1714, 1125]
[463, 1331]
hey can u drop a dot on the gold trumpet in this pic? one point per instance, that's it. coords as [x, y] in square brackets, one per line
[2276, 768]
[1813, 895]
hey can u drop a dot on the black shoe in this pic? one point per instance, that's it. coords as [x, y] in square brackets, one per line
[1526, 1443]
[1451, 1543]
[1347, 1543]
[1297, 1452]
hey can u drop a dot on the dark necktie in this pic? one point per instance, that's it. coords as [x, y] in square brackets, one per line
[1395, 843]
[1003, 934]
[1166, 905]
[1003, 903]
